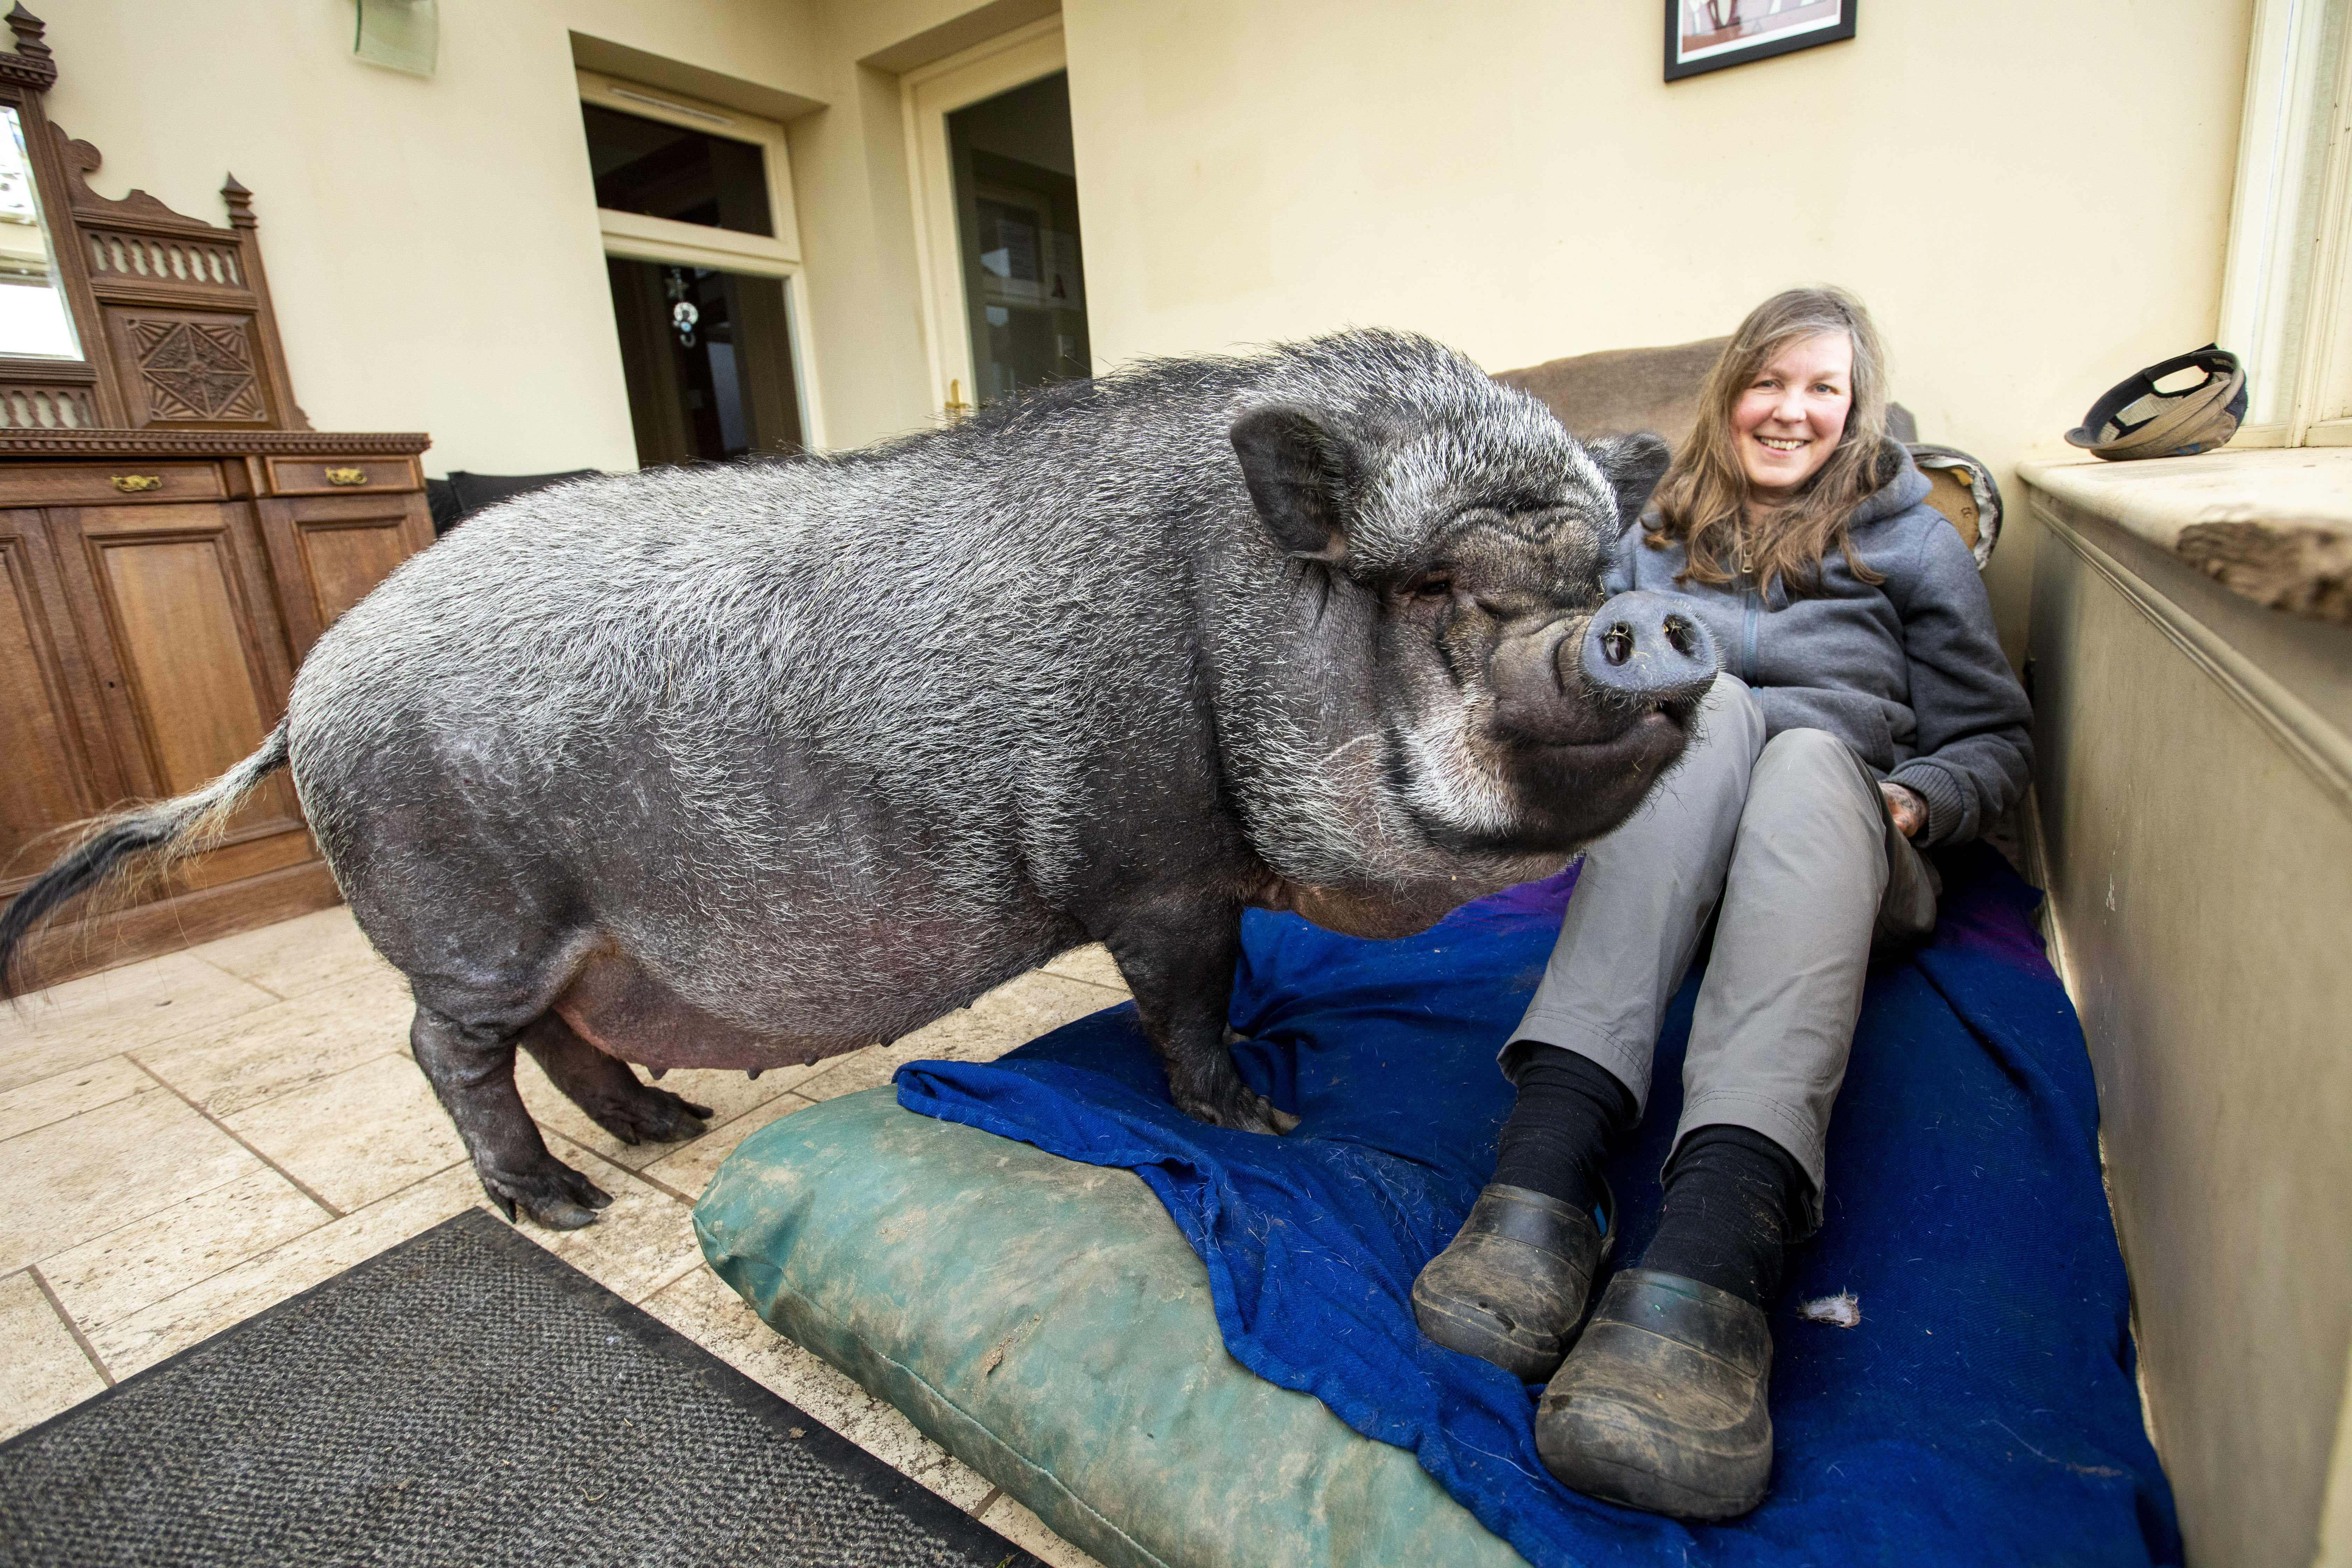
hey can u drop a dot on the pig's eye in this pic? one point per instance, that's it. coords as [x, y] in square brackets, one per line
[1433, 587]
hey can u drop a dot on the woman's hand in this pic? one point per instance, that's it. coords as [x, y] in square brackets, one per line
[1908, 809]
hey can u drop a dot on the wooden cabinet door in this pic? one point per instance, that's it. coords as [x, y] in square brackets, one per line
[329, 551]
[185, 646]
[48, 712]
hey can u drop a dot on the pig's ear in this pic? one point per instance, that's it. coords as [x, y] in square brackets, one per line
[1300, 472]
[1634, 464]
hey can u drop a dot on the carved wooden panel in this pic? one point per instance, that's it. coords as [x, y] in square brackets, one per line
[195, 370]
[186, 367]
[47, 407]
[47, 781]
[118, 257]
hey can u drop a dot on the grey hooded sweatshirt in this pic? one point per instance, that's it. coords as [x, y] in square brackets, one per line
[1907, 671]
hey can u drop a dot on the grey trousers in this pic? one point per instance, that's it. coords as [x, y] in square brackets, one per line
[1791, 837]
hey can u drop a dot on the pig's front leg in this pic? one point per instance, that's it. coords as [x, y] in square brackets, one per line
[1177, 957]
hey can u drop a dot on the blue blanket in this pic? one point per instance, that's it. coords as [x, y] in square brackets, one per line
[1984, 1409]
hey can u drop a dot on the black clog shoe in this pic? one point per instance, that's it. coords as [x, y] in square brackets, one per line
[1513, 1284]
[1662, 1405]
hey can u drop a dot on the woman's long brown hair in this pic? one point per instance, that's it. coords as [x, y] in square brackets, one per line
[1703, 502]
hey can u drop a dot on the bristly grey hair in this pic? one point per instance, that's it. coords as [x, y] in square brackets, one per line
[754, 764]
[811, 694]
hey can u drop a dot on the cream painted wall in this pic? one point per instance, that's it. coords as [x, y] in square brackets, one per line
[432, 245]
[2033, 198]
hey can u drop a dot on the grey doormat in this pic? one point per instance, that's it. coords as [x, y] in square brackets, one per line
[465, 1398]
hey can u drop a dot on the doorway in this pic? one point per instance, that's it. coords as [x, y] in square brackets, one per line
[702, 256]
[996, 204]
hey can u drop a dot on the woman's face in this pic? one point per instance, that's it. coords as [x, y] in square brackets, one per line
[1787, 421]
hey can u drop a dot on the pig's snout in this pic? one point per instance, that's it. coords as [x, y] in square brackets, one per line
[1647, 647]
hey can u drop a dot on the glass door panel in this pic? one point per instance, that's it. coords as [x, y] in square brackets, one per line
[709, 360]
[1016, 194]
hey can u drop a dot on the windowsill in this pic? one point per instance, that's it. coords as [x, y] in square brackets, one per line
[2273, 526]
[2243, 558]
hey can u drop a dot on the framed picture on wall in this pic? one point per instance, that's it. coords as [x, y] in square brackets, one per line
[1708, 35]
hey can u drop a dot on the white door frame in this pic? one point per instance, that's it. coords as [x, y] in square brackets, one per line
[635, 237]
[929, 95]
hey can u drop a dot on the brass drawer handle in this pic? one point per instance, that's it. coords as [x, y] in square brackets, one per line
[138, 484]
[347, 476]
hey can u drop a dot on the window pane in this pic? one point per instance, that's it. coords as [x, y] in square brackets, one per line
[665, 170]
[1017, 210]
[708, 359]
[2280, 199]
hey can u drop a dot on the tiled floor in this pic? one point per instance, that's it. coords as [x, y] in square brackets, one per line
[187, 1141]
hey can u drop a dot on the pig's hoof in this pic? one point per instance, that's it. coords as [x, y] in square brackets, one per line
[1239, 1109]
[653, 1115]
[555, 1195]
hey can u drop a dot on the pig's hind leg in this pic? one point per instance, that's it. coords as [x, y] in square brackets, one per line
[608, 1089]
[1178, 958]
[470, 1065]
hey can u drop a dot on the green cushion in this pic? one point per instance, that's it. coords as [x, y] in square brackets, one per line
[1047, 1324]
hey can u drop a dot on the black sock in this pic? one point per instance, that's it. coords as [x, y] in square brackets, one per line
[1568, 1107]
[1733, 1200]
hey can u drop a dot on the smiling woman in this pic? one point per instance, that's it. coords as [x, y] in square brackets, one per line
[1790, 443]
[1863, 707]
[1790, 419]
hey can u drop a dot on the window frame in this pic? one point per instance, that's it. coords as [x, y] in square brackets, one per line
[2291, 89]
[634, 236]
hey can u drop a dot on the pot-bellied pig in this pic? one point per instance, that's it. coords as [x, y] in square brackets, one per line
[749, 765]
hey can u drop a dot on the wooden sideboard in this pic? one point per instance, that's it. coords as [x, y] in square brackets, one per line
[155, 598]
[174, 535]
